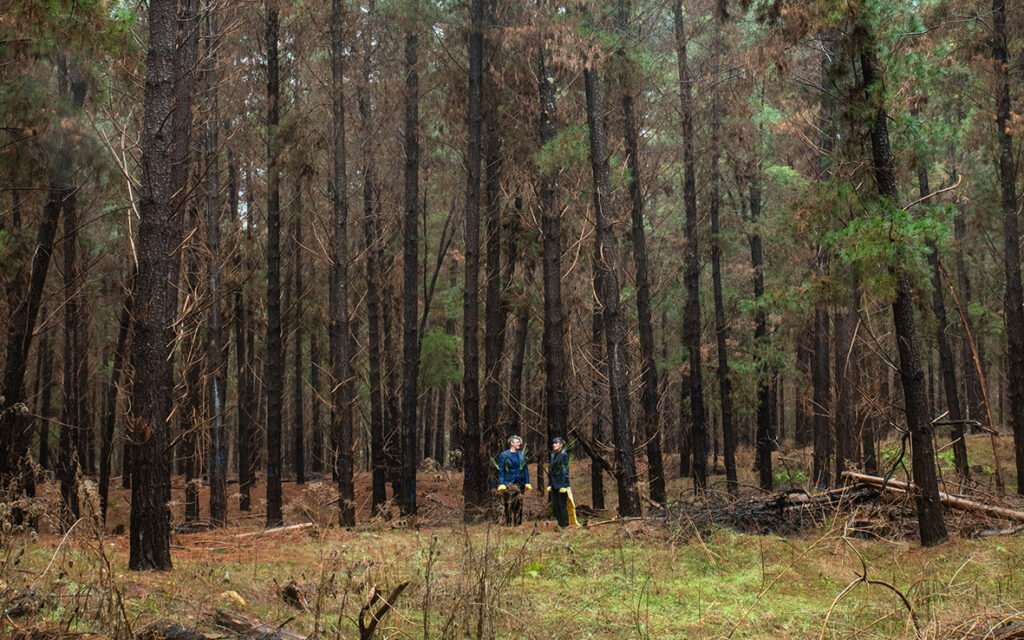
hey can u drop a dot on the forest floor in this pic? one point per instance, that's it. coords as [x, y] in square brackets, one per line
[657, 577]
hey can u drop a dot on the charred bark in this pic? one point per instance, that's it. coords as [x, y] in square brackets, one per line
[472, 454]
[410, 267]
[650, 424]
[1014, 295]
[698, 433]
[341, 354]
[275, 349]
[929, 508]
[608, 296]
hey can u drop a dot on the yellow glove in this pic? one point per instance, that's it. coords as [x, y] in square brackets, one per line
[501, 487]
[548, 489]
[529, 486]
[563, 490]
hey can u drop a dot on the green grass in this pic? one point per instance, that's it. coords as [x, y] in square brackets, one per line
[609, 582]
[632, 580]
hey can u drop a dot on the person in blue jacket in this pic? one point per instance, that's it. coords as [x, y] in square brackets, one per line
[513, 480]
[558, 483]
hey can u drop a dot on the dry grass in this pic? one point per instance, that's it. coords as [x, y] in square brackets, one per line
[641, 579]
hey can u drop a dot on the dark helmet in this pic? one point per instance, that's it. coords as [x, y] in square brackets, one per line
[558, 440]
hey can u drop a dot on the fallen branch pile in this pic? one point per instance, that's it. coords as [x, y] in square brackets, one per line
[946, 499]
[889, 514]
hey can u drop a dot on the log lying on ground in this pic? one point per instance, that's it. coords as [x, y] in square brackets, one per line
[291, 527]
[253, 627]
[945, 498]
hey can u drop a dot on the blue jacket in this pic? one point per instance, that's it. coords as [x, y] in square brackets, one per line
[559, 470]
[512, 468]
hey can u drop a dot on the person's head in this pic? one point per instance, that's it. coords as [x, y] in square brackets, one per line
[515, 443]
[557, 444]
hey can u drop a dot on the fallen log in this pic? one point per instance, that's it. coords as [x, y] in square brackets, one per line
[253, 627]
[945, 498]
[613, 521]
[291, 527]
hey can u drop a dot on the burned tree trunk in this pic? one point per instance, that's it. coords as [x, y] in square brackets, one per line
[608, 296]
[947, 363]
[1014, 296]
[473, 457]
[166, 132]
[410, 296]
[341, 355]
[275, 350]
[298, 445]
[216, 343]
[765, 438]
[929, 508]
[650, 424]
[110, 399]
[698, 433]
[556, 402]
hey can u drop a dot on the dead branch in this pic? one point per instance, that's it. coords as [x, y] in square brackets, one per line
[366, 631]
[945, 498]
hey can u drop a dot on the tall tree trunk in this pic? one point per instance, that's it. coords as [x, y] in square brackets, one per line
[165, 137]
[820, 378]
[847, 378]
[495, 309]
[441, 449]
[724, 381]
[275, 350]
[973, 390]
[929, 508]
[378, 461]
[765, 438]
[392, 373]
[316, 434]
[556, 401]
[608, 296]
[298, 387]
[378, 465]
[1014, 296]
[650, 424]
[597, 430]
[244, 354]
[341, 355]
[473, 490]
[947, 363]
[45, 396]
[216, 342]
[72, 415]
[691, 315]
[75, 413]
[515, 377]
[410, 267]
[191, 418]
[110, 399]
